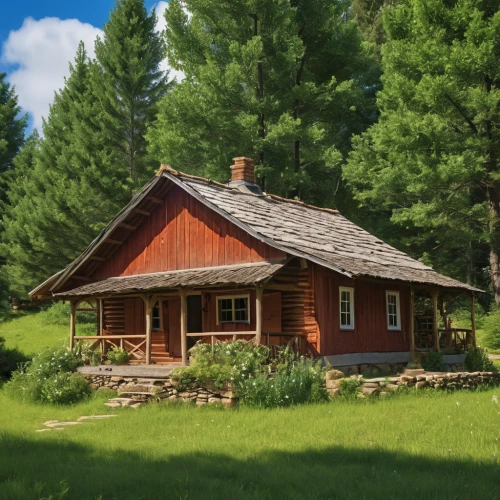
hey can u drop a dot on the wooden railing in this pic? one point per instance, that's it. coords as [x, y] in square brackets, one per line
[136, 351]
[459, 339]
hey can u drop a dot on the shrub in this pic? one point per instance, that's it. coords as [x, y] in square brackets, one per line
[223, 362]
[58, 314]
[10, 359]
[492, 330]
[433, 362]
[350, 387]
[477, 361]
[298, 383]
[48, 378]
[118, 356]
[65, 388]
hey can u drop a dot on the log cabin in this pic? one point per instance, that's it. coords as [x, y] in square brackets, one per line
[190, 259]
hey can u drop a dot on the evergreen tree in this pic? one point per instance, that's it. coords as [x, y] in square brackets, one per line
[433, 159]
[284, 82]
[128, 83]
[12, 126]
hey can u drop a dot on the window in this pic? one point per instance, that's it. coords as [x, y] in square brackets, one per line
[346, 297]
[156, 317]
[233, 309]
[393, 311]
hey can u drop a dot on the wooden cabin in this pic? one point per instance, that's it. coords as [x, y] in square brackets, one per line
[189, 258]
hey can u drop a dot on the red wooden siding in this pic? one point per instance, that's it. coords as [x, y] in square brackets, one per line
[183, 233]
[370, 332]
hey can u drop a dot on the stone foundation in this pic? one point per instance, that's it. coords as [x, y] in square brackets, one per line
[134, 391]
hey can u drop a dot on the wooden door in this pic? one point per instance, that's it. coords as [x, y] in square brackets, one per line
[174, 327]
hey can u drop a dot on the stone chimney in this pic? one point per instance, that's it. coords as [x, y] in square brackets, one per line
[243, 176]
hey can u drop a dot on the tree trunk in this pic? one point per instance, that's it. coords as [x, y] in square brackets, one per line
[494, 229]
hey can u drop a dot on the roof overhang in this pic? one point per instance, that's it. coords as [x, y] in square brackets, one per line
[207, 277]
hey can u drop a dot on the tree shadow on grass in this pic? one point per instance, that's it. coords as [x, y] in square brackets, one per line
[35, 469]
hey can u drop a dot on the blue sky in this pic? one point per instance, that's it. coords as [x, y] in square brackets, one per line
[38, 38]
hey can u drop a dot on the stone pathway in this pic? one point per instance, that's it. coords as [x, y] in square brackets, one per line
[55, 425]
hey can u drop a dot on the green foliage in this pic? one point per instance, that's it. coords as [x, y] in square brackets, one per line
[58, 314]
[431, 161]
[65, 389]
[477, 360]
[71, 183]
[433, 362]
[491, 325]
[10, 359]
[285, 83]
[350, 387]
[300, 382]
[49, 378]
[223, 362]
[118, 356]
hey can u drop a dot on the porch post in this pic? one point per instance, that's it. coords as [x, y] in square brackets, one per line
[183, 295]
[72, 323]
[473, 317]
[412, 320]
[435, 332]
[258, 314]
[149, 325]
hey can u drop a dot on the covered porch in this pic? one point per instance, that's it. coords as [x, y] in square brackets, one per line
[158, 317]
[431, 326]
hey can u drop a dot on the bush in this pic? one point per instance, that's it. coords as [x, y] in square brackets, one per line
[118, 356]
[477, 361]
[58, 314]
[49, 378]
[350, 387]
[433, 362]
[10, 359]
[492, 330]
[298, 383]
[223, 362]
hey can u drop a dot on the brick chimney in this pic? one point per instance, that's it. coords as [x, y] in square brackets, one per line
[243, 170]
[243, 175]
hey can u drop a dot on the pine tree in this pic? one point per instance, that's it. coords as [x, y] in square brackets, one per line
[12, 126]
[433, 159]
[284, 82]
[128, 83]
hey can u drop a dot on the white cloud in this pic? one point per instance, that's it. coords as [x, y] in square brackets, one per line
[161, 24]
[40, 52]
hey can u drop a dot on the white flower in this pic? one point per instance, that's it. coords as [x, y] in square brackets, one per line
[495, 400]
[458, 403]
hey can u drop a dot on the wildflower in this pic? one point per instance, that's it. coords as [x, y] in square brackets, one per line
[494, 399]
[458, 403]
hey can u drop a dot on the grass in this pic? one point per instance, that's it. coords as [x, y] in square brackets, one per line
[30, 334]
[422, 445]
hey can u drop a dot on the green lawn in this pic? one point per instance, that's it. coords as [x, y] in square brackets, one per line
[425, 445]
[29, 333]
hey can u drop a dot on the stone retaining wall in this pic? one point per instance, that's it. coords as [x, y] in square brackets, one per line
[436, 380]
[134, 391]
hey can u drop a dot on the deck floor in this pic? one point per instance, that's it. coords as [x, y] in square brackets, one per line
[142, 371]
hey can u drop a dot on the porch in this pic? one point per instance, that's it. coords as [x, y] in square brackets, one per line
[434, 329]
[160, 326]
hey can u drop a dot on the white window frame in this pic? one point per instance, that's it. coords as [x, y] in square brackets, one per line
[160, 312]
[232, 298]
[351, 303]
[396, 327]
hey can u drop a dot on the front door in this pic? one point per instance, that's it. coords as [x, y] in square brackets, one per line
[194, 313]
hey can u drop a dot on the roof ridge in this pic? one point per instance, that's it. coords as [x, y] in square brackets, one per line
[177, 173]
